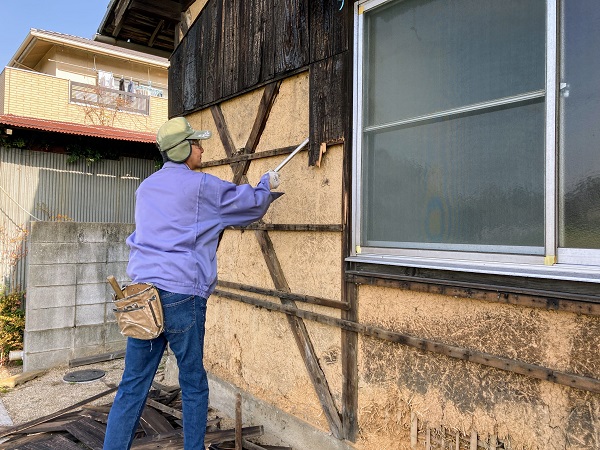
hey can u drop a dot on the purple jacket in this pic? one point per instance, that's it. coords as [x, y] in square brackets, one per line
[179, 215]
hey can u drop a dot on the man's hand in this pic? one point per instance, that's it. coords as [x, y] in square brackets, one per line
[273, 179]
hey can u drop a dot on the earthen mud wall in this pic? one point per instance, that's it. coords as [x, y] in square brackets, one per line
[398, 386]
[465, 397]
[251, 347]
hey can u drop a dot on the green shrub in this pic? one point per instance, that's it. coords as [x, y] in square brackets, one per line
[12, 323]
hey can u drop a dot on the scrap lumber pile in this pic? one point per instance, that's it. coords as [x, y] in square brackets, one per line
[82, 426]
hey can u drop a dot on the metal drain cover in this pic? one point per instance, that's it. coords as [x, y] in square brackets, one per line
[82, 376]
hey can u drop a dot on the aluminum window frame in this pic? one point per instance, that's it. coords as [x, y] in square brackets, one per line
[556, 263]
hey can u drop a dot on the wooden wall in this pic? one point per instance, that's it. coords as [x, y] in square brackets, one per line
[463, 352]
[235, 46]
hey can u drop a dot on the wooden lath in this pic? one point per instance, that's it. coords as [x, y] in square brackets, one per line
[264, 109]
[292, 227]
[465, 354]
[289, 296]
[243, 157]
[297, 325]
[424, 436]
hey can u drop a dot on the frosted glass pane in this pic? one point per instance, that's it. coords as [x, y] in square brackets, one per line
[426, 56]
[474, 180]
[580, 145]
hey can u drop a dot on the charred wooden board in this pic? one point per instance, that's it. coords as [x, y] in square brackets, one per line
[52, 416]
[80, 426]
[154, 422]
[43, 442]
[88, 431]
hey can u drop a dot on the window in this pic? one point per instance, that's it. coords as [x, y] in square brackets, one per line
[579, 113]
[109, 99]
[469, 151]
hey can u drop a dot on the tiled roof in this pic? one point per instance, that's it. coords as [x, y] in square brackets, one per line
[99, 131]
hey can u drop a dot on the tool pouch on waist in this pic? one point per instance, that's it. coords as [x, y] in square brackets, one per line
[139, 315]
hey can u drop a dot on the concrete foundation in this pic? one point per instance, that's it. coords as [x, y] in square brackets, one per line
[292, 431]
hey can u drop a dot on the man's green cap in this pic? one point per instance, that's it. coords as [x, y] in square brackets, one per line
[173, 135]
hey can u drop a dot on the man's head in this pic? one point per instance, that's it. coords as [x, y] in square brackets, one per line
[175, 138]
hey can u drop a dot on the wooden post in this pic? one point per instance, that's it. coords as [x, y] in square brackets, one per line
[442, 438]
[473, 440]
[350, 297]
[413, 430]
[349, 364]
[238, 422]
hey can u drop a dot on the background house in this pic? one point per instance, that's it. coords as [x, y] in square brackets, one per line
[71, 79]
[78, 101]
[430, 278]
[78, 122]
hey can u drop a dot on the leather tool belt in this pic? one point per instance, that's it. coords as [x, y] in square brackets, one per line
[139, 314]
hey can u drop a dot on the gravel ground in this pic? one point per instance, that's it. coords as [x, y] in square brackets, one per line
[49, 393]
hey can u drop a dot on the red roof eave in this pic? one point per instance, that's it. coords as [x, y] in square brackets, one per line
[99, 131]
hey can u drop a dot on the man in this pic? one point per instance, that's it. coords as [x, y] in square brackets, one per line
[179, 216]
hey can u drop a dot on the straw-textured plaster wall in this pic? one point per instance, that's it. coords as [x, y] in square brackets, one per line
[397, 385]
[462, 396]
[249, 347]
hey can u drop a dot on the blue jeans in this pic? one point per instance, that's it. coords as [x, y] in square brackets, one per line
[184, 319]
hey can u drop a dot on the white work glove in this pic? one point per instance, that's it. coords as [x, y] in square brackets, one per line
[273, 179]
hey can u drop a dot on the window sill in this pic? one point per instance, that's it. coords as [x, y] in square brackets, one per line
[564, 272]
[575, 294]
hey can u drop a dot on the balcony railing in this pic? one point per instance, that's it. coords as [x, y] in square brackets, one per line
[102, 97]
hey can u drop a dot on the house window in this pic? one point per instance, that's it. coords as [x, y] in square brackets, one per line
[579, 143]
[468, 148]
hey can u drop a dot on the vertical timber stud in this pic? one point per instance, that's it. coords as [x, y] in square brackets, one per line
[297, 325]
[350, 296]
[349, 290]
[473, 441]
[350, 366]
[414, 430]
[238, 421]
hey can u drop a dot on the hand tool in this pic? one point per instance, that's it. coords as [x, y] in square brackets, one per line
[113, 282]
[290, 156]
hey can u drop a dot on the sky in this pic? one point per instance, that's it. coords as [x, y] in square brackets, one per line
[76, 17]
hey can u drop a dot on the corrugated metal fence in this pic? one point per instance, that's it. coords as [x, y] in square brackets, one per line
[43, 186]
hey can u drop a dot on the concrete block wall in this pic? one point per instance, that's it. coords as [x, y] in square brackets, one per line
[68, 310]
